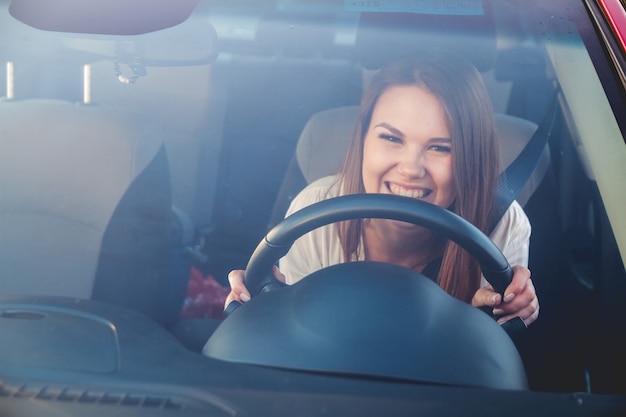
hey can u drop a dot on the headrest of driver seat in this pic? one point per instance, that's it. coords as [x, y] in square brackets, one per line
[325, 139]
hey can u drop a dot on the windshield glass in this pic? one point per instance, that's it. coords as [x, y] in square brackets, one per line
[144, 155]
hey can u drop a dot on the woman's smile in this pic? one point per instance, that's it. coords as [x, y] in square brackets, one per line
[408, 147]
[412, 192]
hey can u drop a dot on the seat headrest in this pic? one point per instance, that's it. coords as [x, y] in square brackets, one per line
[385, 37]
[91, 153]
[325, 139]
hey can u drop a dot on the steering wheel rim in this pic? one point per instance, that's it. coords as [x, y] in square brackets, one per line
[277, 242]
[328, 318]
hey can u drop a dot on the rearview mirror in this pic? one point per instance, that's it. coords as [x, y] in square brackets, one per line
[107, 17]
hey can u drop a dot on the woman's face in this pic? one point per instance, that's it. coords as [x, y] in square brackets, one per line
[408, 148]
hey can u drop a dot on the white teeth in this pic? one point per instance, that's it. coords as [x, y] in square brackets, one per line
[406, 192]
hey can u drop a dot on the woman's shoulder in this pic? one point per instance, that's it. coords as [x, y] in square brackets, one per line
[328, 186]
[512, 235]
[514, 222]
[318, 190]
[515, 215]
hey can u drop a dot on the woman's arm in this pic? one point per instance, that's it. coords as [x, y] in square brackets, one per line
[238, 290]
[308, 254]
[512, 236]
[520, 299]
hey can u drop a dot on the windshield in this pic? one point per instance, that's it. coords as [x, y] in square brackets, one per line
[144, 154]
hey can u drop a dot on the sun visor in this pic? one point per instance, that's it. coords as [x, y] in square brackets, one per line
[386, 34]
[107, 17]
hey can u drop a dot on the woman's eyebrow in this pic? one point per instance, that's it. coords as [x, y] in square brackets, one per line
[399, 133]
[390, 128]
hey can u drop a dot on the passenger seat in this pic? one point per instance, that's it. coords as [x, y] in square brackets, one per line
[85, 206]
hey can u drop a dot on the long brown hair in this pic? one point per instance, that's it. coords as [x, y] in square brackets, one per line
[462, 93]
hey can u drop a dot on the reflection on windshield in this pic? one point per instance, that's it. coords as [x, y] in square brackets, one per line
[139, 170]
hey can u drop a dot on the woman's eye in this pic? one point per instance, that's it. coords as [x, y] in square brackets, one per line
[441, 148]
[390, 138]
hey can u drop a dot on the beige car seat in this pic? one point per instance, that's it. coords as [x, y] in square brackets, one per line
[85, 204]
[325, 138]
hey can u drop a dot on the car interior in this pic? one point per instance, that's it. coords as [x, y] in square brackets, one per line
[47, 195]
[148, 162]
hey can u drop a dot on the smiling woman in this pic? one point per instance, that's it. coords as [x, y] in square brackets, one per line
[425, 130]
[409, 132]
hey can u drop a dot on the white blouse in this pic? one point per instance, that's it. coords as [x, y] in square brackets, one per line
[321, 247]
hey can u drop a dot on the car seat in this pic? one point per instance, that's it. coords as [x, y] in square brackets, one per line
[85, 206]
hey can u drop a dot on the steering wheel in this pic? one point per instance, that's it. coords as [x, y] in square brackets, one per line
[278, 241]
[371, 318]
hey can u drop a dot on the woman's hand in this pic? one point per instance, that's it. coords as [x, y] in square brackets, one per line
[238, 290]
[520, 299]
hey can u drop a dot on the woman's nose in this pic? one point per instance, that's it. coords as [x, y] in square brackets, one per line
[412, 165]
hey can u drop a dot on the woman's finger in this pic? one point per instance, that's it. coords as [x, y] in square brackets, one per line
[486, 297]
[238, 290]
